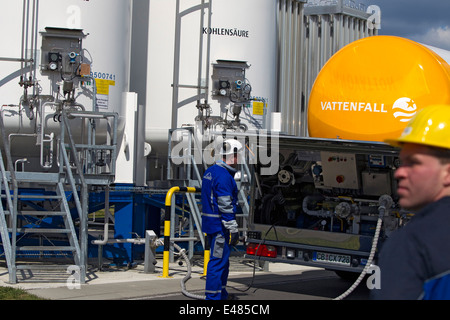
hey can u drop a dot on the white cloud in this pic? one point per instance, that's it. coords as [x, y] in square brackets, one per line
[437, 37]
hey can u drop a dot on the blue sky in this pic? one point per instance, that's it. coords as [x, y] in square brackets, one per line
[425, 21]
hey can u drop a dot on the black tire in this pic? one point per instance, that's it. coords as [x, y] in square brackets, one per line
[347, 275]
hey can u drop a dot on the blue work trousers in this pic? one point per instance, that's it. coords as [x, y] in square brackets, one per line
[218, 267]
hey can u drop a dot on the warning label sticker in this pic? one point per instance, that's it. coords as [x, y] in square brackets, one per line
[103, 86]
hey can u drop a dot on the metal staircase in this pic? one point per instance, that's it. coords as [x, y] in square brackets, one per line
[39, 221]
[184, 170]
[40, 232]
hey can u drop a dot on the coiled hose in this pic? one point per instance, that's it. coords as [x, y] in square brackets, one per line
[384, 203]
[182, 253]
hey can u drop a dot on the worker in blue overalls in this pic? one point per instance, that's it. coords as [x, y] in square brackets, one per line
[219, 206]
[414, 261]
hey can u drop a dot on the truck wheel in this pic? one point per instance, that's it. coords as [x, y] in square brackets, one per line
[347, 275]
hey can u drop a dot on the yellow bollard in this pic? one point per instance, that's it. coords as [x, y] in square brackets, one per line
[206, 255]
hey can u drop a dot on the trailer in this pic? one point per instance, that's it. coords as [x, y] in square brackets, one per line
[323, 207]
[333, 201]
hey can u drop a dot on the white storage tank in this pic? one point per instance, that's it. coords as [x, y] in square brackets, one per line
[98, 36]
[242, 37]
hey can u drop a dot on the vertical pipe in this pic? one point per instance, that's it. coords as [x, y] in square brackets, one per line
[301, 58]
[288, 57]
[200, 53]
[27, 27]
[33, 21]
[282, 64]
[208, 50]
[22, 53]
[294, 67]
[36, 27]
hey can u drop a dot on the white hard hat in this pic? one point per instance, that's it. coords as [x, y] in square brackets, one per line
[230, 146]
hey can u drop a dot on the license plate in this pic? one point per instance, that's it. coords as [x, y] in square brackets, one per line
[331, 258]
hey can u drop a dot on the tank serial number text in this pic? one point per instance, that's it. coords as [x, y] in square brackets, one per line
[103, 75]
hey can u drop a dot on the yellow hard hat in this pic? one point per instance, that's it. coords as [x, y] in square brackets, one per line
[430, 126]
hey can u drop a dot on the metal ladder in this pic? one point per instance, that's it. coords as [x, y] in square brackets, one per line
[189, 173]
[204, 8]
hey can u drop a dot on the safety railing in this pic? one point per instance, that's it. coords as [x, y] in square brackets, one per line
[167, 226]
[185, 150]
[87, 152]
[81, 155]
[11, 200]
[186, 163]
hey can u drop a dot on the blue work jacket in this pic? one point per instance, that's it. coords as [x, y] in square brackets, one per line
[219, 197]
[415, 261]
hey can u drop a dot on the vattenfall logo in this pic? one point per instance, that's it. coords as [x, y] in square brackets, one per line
[408, 109]
[403, 109]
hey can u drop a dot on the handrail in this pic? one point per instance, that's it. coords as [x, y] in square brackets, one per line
[81, 201]
[8, 156]
[99, 115]
[67, 163]
[168, 210]
[12, 204]
[4, 229]
[81, 207]
[193, 144]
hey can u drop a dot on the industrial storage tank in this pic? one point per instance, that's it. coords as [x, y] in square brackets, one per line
[191, 49]
[60, 49]
[372, 87]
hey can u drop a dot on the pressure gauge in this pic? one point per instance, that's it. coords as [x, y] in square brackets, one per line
[223, 92]
[53, 56]
[53, 59]
[53, 66]
[224, 84]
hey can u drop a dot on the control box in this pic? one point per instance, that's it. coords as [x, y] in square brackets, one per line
[229, 82]
[339, 170]
[61, 51]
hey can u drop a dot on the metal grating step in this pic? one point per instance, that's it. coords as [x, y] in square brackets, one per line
[42, 213]
[41, 230]
[38, 197]
[37, 177]
[46, 248]
[43, 266]
[38, 213]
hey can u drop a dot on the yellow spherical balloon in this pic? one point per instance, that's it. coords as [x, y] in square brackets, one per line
[371, 89]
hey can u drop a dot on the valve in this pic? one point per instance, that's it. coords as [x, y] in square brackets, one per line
[73, 56]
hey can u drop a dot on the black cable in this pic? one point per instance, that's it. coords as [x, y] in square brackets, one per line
[258, 258]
